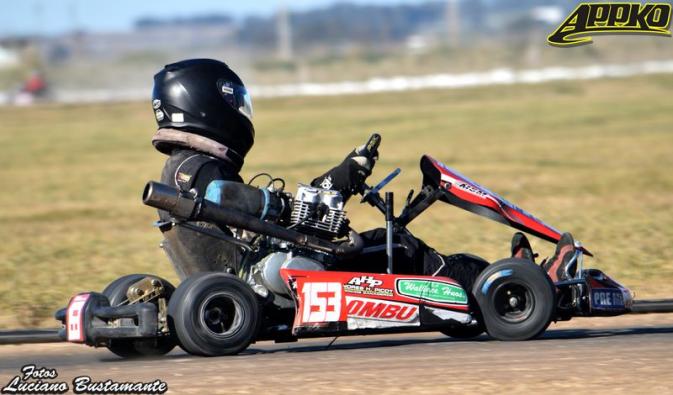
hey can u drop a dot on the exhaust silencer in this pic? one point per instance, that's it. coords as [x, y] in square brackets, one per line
[164, 197]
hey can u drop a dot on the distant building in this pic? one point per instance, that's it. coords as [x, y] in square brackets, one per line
[8, 58]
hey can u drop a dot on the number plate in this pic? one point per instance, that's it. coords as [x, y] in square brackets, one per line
[322, 302]
[74, 323]
[605, 298]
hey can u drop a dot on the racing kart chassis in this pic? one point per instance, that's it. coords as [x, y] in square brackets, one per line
[88, 317]
[513, 299]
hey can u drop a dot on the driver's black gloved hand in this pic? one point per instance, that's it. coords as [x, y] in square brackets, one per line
[349, 176]
[360, 164]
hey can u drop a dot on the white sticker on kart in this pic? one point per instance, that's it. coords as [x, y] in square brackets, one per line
[74, 323]
[322, 302]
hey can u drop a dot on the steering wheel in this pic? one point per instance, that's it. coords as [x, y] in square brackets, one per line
[375, 190]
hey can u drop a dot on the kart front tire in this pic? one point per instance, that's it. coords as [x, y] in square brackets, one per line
[214, 314]
[136, 348]
[516, 298]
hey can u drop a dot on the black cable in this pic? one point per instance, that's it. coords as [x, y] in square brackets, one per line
[259, 175]
[272, 180]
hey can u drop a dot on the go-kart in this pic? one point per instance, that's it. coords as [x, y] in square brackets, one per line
[290, 286]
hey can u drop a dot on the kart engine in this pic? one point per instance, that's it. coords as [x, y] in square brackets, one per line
[267, 271]
[319, 212]
[315, 211]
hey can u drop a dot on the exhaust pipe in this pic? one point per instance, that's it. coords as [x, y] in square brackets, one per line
[164, 197]
[186, 206]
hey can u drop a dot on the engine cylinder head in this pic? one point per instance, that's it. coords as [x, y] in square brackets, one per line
[319, 212]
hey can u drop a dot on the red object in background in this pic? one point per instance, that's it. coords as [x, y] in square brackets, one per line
[35, 84]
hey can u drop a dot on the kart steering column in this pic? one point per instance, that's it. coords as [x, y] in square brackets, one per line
[390, 218]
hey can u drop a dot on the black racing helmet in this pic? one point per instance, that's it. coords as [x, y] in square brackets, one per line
[204, 97]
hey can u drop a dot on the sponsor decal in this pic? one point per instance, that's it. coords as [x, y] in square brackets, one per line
[226, 89]
[42, 380]
[368, 291]
[178, 117]
[327, 183]
[367, 285]
[471, 189]
[322, 302]
[431, 290]
[183, 177]
[381, 309]
[366, 281]
[607, 299]
[611, 18]
[159, 114]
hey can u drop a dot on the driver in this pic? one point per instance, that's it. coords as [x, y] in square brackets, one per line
[204, 114]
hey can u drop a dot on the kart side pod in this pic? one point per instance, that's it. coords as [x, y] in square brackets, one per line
[358, 303]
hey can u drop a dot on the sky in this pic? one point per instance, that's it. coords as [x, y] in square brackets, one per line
[48, 17]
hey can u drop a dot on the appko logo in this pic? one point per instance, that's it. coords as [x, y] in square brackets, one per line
[611, 18]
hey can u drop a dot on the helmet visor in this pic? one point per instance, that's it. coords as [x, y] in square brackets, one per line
[237, 97]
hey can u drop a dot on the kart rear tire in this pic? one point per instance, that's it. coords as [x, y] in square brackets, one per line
[516, 298]
[136, 348]
[214, 314]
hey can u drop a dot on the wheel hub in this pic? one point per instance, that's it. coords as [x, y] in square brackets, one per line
[514, 302]
[215, 316]
[221, 314]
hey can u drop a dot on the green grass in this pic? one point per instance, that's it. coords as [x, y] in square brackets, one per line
[593, 158]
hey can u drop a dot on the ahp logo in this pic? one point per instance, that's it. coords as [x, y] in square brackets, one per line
[611, 18]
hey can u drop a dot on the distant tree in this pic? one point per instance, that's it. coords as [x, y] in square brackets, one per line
[212, 19]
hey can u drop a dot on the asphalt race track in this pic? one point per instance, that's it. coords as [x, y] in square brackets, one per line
[632, 354]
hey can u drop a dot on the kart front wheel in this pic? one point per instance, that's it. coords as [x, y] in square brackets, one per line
[133, 348]
[516, 299]
[214, 314]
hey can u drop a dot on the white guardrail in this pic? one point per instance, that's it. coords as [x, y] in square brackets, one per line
[499, 76]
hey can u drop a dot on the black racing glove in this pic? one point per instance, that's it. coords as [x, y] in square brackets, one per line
[349, 176]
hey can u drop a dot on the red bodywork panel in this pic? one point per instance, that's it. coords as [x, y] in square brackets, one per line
[469, 195]
[343, 301]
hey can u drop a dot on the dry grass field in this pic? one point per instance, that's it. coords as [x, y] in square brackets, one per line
[594, 158]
